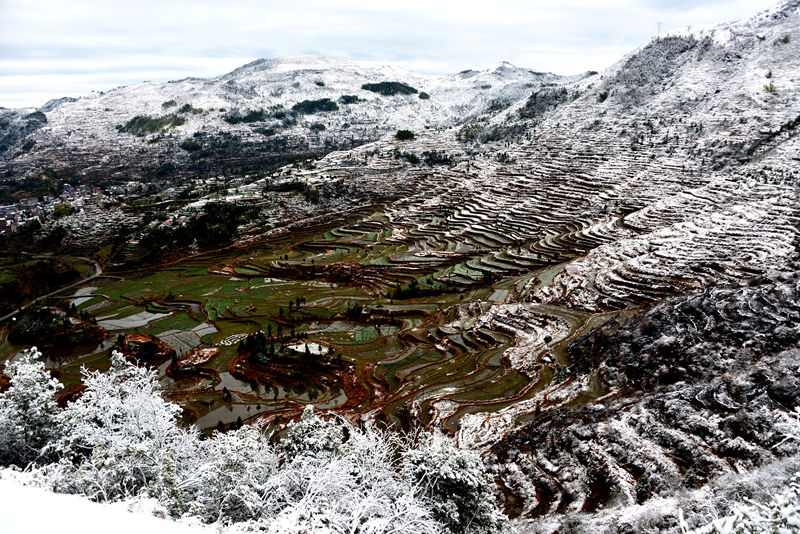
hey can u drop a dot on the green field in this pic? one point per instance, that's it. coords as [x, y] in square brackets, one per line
[404, 348]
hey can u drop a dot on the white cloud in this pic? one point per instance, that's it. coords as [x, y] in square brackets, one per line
[57, 48]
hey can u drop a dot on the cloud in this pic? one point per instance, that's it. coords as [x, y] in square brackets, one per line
[57, 48]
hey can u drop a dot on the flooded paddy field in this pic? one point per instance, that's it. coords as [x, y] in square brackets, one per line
[353, 317]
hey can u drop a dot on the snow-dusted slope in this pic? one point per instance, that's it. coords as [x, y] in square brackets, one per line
[672, 173]
[81, 136]
[28, 509]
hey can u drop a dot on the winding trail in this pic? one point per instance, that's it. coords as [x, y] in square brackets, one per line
[98, 271]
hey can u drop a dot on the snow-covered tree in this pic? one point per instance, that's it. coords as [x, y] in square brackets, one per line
[229, 479]
[779, 516]
[312, 436]
[27, 410]
[456, 484]
[329, 484]
[120, 435]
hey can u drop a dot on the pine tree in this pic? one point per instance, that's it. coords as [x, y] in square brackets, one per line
[28, 410]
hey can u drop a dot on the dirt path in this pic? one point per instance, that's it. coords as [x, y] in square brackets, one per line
[98, 271]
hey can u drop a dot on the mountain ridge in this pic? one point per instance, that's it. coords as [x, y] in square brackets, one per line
[269, 86]
[636, 231]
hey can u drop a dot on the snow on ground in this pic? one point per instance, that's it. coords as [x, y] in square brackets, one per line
[313, 348]
[30, 510]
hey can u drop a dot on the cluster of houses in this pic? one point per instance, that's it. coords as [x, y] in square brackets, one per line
[26, 210]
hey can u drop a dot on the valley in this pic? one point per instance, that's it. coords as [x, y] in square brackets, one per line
[398, 324]
[590, 281]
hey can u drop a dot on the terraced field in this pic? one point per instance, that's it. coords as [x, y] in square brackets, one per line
[415, 349]
[457, 301]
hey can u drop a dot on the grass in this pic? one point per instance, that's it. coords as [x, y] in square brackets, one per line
[177, 321]
[91, 302]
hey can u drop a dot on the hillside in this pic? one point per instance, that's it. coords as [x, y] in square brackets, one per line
[246, 120]
[21, 508]
[591, 282]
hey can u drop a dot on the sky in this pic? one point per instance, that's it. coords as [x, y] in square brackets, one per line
[55, 48]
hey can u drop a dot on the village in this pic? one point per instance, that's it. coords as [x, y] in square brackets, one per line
[77, 197]
[28, 210]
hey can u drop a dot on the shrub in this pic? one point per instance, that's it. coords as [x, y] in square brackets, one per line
[469, 132]
[770, 88]
[317, 127]
[312, 436]
[456, 484]
[187, 108]
[390, 88]
[142, 125]
[436, 157]
[319, 83]
[315, 106]
[191, 146]
[169, 104]
[349, 99]
[602, 96]
[28, 410]
[497, 105]
[311, 194]
[424, 96]
[252, 115]
[404, 135]
[411, 158]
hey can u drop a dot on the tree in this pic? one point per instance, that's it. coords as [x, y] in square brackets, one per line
[28, 410]
[312, 436]
[404, 135]
[389, 88]
[780, 515]
[455, 483]
[228, 481]
[121, 437]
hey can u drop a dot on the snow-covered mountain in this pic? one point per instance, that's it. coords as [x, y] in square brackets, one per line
[250, 111]
[665, 189]
[644, 220]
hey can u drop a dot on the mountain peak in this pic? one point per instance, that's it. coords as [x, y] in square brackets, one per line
[291, 63]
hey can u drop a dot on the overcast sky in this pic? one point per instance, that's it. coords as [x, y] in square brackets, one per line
[54, 48]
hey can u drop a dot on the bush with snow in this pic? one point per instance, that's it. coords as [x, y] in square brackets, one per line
[779, 516]
[119, 436]
[229, 478]
[121, 440]
[456, 484]
[28, 410]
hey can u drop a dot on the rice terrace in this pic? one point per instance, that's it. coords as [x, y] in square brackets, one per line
[345, 316]
[319, 294]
